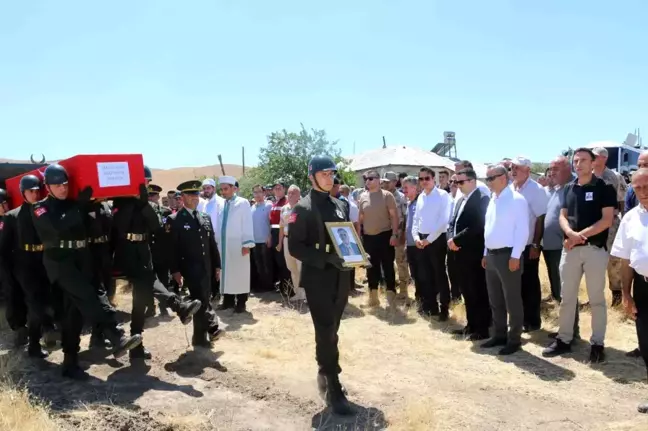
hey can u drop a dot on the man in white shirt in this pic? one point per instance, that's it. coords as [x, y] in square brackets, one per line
[429, 232]
[506, 231]
[631, 247]
[537, 199]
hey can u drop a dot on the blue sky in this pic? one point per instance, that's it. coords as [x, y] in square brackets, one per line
[182, 82]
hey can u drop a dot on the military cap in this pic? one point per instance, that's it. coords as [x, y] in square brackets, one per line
[154, 189]
[190, 187]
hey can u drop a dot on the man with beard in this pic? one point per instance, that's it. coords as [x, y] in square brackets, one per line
[210, 205]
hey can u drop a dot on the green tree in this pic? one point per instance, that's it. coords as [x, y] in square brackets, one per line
[287, 154]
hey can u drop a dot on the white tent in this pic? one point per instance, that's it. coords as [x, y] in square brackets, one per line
[398, 156]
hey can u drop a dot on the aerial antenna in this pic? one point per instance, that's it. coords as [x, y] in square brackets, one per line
[220, 160]
[384, 143]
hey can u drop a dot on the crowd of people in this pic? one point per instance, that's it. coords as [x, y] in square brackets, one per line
[454, 237]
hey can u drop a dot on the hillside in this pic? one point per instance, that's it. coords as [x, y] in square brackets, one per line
[170, 178]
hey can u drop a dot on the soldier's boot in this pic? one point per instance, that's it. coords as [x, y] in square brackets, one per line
[200, 339]
[185, 309]
[215, 333]
[373, 300]
[35, 350]
[403, 292]
[71, 368]
[121, 342]
[98, 340]
[335, 397]
[391, 299]
[21, 337]
[322, 386]
[617, 298]
[139, 352]
[50, 337]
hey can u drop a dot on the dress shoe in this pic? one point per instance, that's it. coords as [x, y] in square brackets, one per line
[71, 369]
[597, 354]
[493, 342]
[124, 344]
[186, 310]
[509, 349]
[558, 347]
[476, 336]
[139, 352]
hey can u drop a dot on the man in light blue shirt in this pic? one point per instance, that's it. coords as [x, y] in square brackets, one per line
[261, 279]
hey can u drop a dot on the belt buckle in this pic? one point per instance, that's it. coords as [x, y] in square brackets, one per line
[79, 243]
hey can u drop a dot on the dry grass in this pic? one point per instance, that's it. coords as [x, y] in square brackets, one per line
[19, 410]
[408, 372]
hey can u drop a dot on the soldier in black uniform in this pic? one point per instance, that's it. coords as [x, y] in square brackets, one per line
[323, 275]
[16, 312]
[21, 246]
[134, 220]
[158, 249]
[61, 225]
[98, 225]
[194, 257]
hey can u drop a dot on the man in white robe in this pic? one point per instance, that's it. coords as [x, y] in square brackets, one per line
[210, 205]
[235, 238]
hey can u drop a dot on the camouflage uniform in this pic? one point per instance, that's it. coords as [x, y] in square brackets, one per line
[401, 255]
[614, 265]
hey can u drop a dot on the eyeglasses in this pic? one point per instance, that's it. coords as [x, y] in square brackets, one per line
[425, 178]
[369, 178]
[461, 182]
[493, 178]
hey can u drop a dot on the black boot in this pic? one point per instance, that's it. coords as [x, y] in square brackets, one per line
[36, 351]
[199, 339]
[21, 337]
[98, 341]
[335, 397]
[71, 368]
[185, 309]
[139, 352]
[215, 333]
[122, 343]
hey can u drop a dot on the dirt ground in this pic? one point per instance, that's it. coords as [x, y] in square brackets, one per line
[401, 371]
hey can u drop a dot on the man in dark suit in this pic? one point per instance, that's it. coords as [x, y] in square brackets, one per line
[466, 241]
[347, 248]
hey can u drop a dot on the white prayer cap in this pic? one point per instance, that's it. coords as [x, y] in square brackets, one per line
[209, 182]
[227, 179]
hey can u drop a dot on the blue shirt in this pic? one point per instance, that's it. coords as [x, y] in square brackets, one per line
[553, 236]
[261, 221]
[411, 210]
[630, 199]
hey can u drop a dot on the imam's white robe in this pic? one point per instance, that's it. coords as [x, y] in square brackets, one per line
[233, 232]
[213, 208]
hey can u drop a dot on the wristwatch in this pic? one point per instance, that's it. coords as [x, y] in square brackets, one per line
[536, 246]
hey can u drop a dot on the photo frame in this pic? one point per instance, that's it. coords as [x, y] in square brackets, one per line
[347, 243]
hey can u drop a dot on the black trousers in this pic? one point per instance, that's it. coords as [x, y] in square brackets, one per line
[261, 268]
[531, 290]
[16, 312]
[36, 287]
[280, 271]
[472, 280]
[102, 278]
[640, 296]
[432, 264]
[200, 289]
[381, 256]
[413, 261]
[72, 274]
[453, 274]
[327, 293]
[552, 261]
[71, 327]
[146, 286]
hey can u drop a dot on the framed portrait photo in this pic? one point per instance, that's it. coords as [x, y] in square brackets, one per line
[347, 243]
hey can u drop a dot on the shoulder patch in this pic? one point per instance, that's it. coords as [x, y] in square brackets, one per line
[40, 211]
[293, 217]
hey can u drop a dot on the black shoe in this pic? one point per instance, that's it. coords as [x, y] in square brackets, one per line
[99, 342]
[71, 368]
[139, 352]
[36, 351]
[215, 334]
[509, 349]
[464, 332]
[531, 328]
[335, 397]
[186, 310]
[493, 342]
[636, 353]
[558, 347]
[476, 336]
[124, 344]
[554, 335]
[444, 314]
[597, 354]
[643, 407]
[21, 337]
[240, 308]
[617, 298]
